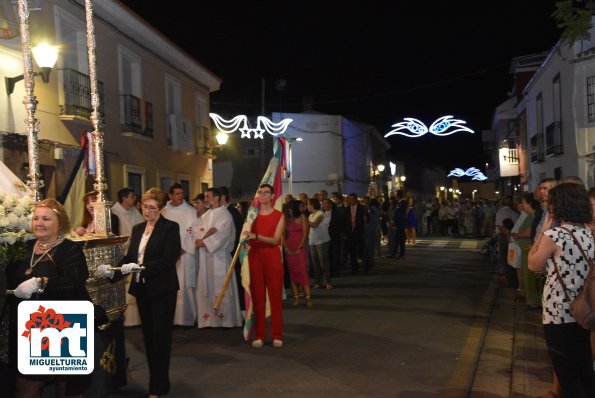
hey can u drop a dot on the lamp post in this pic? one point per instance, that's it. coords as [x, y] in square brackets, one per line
[473, 194]
[290, 160]
[45, 57]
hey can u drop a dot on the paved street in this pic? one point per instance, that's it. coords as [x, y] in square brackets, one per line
[414, 327]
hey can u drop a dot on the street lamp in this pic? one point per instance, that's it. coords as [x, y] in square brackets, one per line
[473, 194]
[380, 168]
[222, 138]
[45, 57]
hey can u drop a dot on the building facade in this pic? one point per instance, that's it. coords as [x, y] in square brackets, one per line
[154, 101]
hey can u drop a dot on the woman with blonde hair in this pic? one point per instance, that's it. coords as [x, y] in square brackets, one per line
[54, 268]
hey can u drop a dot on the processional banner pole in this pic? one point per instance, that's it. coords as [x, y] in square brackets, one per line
[102, 209]
[34, 178]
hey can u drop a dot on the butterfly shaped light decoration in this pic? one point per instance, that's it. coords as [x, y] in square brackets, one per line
[240, 123]
[472, 172]
[442, 126]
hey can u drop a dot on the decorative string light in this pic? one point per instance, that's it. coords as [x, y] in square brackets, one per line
[442, 126]
[240, 123]
[472, 172]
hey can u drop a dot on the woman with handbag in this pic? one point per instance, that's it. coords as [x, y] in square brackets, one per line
[559, 250]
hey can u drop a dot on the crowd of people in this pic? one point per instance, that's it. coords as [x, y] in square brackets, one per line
[179, 253]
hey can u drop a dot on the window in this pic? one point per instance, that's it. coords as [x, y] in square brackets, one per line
[165, 179]
[71, 34]
[591, 98]
[134, 177]
[131, 103]
[173, 108]
[184, 179]
[557, 99]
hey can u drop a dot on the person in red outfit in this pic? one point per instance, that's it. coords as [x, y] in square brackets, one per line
[266, 267]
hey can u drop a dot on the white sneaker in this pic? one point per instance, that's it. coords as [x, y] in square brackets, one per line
[277, 343]
[257, 343]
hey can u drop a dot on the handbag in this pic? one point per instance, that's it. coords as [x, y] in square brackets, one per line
[583, 306]
[514, 255]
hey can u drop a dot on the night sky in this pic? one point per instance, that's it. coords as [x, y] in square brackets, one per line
[371, 61]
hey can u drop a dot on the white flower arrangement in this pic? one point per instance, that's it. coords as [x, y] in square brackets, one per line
[15, 225]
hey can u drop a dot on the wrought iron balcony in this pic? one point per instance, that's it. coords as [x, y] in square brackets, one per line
[132, 108]
[75, 100]
[553, 139]
[537, 153]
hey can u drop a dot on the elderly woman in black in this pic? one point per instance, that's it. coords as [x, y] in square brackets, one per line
[54, 268]
[154, 245]
[560, 251]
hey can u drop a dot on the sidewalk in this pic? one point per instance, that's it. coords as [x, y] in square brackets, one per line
[513, 359]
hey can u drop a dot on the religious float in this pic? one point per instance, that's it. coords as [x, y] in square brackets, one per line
[109, 298]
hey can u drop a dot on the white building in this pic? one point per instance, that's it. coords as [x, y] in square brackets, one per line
[335, 154]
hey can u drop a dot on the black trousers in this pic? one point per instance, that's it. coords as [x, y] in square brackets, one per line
[356, 247]
[157, 319]
[335, 254]
[569, 346]
[400, 241]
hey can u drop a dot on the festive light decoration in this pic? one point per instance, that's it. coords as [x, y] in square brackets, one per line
[240, 123]
[472, 172]
[442, 126]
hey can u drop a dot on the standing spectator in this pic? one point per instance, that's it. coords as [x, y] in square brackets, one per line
[505, 270]
[319, 243]
[556, 250]
[296, 236]
[419, 209]
[335, 230]
[400, 219]
[443, 218]
[372, 230]
[199, 204]
[184, 215]
[521, 233]
[266, 267]
[411, 223]
[242, 207]
[156, 245]
[392, 229]
[355, 219]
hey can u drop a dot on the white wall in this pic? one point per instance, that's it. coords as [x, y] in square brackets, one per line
[318, 159]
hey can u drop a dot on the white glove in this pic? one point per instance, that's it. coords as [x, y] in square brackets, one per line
[103, 270]
[127, 268]
[26, 289]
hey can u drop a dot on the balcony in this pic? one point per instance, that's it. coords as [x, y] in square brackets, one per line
[132, 112]
[537, 154]
[75, 96]
[553, 139]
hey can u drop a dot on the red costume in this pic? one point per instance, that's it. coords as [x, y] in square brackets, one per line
[266, 274]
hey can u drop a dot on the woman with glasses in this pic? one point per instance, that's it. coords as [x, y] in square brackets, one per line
[266, 267]
[155, 246]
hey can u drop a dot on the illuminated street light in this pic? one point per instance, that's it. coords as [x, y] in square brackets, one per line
[222, 138]
[380, 168]
[442, 188]
[403, 178]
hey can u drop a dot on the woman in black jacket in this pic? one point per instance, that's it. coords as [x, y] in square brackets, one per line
[155, 245]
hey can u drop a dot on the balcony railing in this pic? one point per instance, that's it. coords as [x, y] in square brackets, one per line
[553, 139]
[76, 90]
[134, 116]
[537, 154]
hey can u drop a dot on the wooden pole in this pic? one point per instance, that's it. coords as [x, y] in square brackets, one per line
[230, 273]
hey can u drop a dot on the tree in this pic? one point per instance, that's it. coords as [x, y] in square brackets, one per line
[574, 18]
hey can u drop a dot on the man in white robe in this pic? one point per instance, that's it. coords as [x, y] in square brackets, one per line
[128, 216]
[214, 239]
[184, 214]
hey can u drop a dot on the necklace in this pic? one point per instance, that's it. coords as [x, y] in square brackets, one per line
[47, 248]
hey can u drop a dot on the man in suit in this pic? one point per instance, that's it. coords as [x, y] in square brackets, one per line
[238, 224]
[355, 219]
[400, 219]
